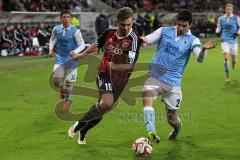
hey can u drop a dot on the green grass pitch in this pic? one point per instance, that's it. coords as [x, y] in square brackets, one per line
[30, 129]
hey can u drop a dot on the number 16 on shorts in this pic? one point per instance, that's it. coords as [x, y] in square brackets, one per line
[108, 86]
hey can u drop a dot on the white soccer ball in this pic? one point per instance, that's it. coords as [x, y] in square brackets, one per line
[142, 147]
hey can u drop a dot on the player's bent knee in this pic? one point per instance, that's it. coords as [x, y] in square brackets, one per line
[57, 83]
[104, 106]
[148, 98]
[226, 57]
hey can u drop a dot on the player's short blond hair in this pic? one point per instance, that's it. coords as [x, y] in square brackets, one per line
[229, 5]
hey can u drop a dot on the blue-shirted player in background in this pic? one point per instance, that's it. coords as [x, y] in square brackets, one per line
[65, 39]
[175, 45]
[229, 27]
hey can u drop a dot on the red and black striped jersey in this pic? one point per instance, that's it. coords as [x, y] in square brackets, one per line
[112, 44]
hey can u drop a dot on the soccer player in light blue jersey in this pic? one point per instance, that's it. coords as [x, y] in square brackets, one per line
[175, 45]
[65, 39]
[229, 27]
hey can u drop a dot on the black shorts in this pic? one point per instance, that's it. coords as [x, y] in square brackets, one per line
[109, 84]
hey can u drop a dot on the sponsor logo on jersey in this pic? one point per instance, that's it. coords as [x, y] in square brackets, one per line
[171, 49]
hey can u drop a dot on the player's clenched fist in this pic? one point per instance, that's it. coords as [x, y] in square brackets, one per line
[210, 44]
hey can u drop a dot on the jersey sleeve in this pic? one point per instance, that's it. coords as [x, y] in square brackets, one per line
[197, 49]
[53, 40]
[218, 29]
[80, 41]
[155, 36]
[238, 24]
[134, 51]
[196, 44]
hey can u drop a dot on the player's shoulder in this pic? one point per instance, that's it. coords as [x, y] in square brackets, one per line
[133, 34]
[56, 27]
[221, 17]
[111, 29]
[168, 29]
[235, 16]
[192, 35]
[194, 38]
[73, 28]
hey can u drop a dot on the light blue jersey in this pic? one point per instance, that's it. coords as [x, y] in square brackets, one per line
[172, 54]
[66, 40]
[229, 27]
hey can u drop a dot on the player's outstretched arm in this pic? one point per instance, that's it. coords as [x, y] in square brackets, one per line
[218, 29]
[52, 43]
[152, 37]
[145, 40]
[238, 23]
[91, 49]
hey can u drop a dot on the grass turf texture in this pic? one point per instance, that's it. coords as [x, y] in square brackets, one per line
[31, 130]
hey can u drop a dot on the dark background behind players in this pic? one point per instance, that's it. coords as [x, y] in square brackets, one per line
[101, 24]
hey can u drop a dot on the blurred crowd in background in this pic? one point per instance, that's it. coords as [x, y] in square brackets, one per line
[21, 39]
[88, 5]
[174, 5]
[47, 5]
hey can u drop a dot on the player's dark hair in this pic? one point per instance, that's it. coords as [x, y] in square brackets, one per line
[65, 12]
[184, 16]
[124, 13]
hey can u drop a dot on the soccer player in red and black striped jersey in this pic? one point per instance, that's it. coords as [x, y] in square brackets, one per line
[121, 48]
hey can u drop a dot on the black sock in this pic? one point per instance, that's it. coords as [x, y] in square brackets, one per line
[94, 113]
[88, 126]
[79, 126]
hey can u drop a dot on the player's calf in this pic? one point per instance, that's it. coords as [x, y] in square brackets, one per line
[174, 121]
[234, 65]
[59, 86]
[68, 89]
[227, 70]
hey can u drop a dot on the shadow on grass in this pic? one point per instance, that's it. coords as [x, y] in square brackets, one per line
[233, 86]
[176, 150]
[140, 158]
